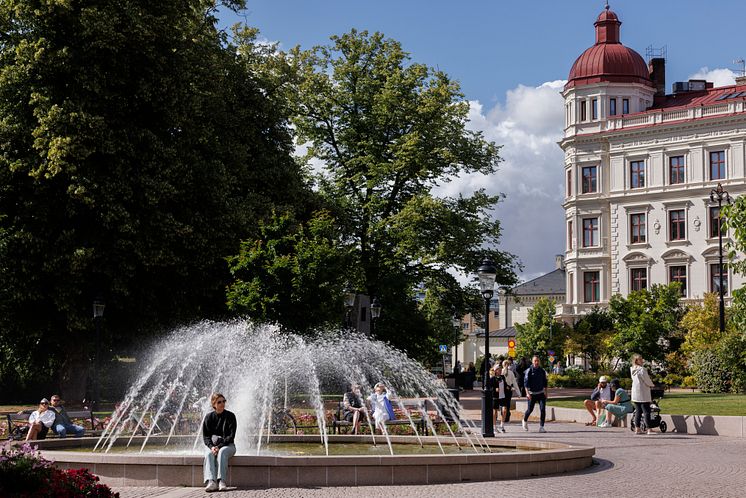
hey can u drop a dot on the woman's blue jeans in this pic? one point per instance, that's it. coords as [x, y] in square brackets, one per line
[216, 467]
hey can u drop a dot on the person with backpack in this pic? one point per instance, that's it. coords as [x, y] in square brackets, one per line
[535, 382]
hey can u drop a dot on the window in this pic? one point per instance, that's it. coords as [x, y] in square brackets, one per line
[676, 170]
[715, 278]
[716, 222]
[717, 165]
[637, 174]
[591, 286]
[465, 326]
[612, 107]
[589, 179]
[590, 232]
[569, 235]
[594, 109]
[637, 228]
[676, 224]
[570, 287]
[625, 106]
[569, 183]
[638, 278]
[583, 112]
[678, 274]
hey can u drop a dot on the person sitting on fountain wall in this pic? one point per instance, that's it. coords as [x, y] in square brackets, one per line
[379, 400]
[40, 421]
[218, 434]
[62, 423]
[353, 407]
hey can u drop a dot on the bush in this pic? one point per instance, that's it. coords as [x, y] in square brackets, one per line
[671, 380]
[578, 380]
[708, 371]
[24, 472]
[689, 381]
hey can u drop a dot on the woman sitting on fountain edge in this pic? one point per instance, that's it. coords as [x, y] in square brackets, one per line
[218, 434]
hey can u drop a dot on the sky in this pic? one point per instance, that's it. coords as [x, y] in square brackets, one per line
[512, 60]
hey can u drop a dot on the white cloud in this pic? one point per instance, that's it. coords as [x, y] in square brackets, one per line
[528, 125]
[718, 76]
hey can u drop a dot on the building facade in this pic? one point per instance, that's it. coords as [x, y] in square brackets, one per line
[639, 168]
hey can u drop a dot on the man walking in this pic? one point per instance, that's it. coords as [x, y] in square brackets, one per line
[535, 381]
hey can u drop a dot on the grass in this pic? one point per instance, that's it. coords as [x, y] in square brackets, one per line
[681, 403]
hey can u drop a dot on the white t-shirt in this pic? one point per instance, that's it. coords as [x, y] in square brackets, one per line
[46, 417]
[606, 393]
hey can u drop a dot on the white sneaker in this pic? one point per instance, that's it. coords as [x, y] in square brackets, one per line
[525, 425]
[223, 486]
[542, 429]
[605, 425]
[502, 429]
[211, 486]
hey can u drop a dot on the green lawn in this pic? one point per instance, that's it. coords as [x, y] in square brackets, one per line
[682, 403]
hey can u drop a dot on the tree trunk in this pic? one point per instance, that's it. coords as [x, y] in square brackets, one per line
[74, 378]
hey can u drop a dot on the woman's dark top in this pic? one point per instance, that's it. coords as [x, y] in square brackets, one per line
[223, 426]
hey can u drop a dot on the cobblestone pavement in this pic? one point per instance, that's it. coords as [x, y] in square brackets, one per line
[675, 465]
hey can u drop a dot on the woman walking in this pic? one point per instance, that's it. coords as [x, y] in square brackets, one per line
[218, 434]
[641, 385]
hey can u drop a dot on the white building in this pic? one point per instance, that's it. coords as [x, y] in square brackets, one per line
[639, 168]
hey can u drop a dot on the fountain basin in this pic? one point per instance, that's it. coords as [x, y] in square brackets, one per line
[526, 458]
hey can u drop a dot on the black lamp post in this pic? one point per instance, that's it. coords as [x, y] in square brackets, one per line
[349, 297]
[487, 274]
[457, 328]
[375, 312]
[718, 194]
[98, 315]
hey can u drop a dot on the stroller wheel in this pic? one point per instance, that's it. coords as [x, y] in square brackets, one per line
[663, 427]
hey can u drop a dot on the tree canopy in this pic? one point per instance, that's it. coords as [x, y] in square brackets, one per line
[138, 145]
[387, 131]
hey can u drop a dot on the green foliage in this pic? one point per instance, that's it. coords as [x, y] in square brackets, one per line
[690, 381]
[646, 322]
[701, 325]
[589, 336]
[387, 131]
[582, 380]
[137, 147]
[293, 274]
[709, 372]
[541, 333]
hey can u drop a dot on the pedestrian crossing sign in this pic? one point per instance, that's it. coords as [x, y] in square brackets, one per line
[443, 348]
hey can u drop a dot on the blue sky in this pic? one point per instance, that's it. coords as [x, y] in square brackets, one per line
[511, 58]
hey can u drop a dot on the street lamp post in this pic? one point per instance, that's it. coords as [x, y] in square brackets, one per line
[457, 328]
[487, 274]
[349, 297]
[98, 314]
[718, 194]
[375, 312]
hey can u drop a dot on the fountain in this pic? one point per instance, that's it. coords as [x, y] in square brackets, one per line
[275, 382]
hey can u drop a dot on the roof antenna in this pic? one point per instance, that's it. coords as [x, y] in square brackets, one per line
[742, 69]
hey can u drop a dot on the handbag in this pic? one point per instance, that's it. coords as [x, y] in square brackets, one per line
[601, 419]
[389, 409]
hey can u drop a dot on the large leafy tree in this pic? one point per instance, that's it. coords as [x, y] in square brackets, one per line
[137, 146]
[646, 322]
[541, 333]
[388, 131]
[589, 335]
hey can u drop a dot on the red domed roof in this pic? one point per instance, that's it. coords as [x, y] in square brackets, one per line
[608, 60]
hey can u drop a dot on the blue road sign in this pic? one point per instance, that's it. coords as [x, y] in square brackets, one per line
[443, 348]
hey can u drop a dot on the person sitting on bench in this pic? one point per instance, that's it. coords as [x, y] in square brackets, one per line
[62, 423]
[353, 407]
[595, 404]
[620, 406]
[40, 421]
[381, 406]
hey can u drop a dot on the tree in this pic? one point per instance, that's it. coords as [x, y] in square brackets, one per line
[293, 274]
[701, 325]
[646, 322]
[137, 147]
[541, 333]
[734, 217]
[589, 335]
[387, 131]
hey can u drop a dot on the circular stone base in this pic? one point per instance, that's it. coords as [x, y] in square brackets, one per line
[531, 458]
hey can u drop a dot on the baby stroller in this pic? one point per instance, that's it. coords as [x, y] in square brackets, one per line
[655, 414]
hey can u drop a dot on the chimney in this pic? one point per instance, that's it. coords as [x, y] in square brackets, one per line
[741, 80]
[559, 261]
[657, 71]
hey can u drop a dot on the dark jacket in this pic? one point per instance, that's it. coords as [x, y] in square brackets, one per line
[61, 416]
[535, 379]
[222, 426]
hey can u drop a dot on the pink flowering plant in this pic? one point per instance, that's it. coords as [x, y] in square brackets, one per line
[24, 473]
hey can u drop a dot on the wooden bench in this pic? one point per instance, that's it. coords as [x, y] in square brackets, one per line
[421, 424]
[16, 421]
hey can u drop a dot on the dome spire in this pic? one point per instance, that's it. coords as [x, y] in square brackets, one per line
[607, 26]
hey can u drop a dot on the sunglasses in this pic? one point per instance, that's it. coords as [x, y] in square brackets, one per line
[44, 403]
[220, 402]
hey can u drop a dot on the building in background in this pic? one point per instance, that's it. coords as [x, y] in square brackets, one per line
[639, 168]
